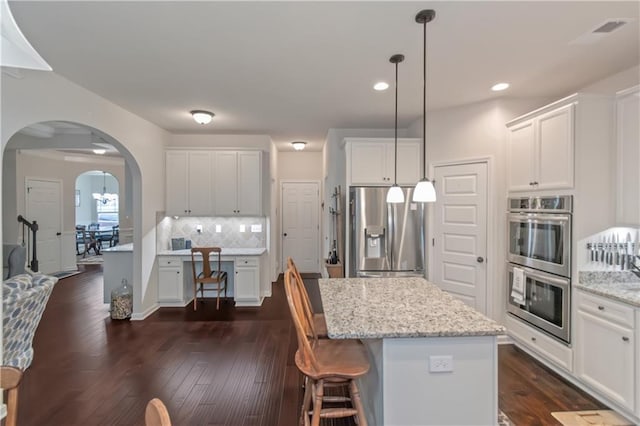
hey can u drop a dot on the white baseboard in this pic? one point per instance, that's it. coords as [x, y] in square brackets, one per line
[139, 316]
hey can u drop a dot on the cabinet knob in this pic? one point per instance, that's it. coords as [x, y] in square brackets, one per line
[601, 308]
[533, 339]
[625, 339]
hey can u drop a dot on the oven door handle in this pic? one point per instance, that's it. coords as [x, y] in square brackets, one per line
[539, 218]
[560, 282]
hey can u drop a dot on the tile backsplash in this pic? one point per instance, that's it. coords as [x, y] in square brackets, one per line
[229, 232]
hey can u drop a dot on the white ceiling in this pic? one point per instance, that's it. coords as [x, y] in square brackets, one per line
[293, 70]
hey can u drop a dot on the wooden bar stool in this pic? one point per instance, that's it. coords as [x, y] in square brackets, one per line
[318, 319]
[324, 362]
[10, 378]
[208, 276]
[156, 414]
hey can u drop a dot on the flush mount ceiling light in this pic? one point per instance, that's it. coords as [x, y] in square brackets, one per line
[202, 117]
[395, 194]
[499, 86]
[299, 145]
[424, 192]
[380, 86]
[99, 151]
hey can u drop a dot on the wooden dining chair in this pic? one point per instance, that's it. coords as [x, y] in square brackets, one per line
[318, 319]
[214, 277]
[324, 362]
[156, 414]
[10, 378]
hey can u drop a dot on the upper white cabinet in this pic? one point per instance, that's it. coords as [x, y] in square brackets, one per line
[237, 183]
[189, 190]
[628, 160]
[540, 150]
[372, 161]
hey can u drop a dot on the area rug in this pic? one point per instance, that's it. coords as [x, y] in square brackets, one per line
[65, 274]
[590, 418]
[503, 420]
[90, 260]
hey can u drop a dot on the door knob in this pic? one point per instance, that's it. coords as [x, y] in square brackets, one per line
[480, 259]
[58, 233]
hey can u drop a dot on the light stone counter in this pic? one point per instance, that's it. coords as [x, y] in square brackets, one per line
[428, 351]
[365, 308]
[620, 286]
[127, 248]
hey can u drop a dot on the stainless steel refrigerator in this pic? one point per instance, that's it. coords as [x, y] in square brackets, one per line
[386, 239]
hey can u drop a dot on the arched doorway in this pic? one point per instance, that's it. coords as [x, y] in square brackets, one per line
[60, 152]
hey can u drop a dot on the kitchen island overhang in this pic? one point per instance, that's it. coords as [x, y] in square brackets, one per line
[434, 360]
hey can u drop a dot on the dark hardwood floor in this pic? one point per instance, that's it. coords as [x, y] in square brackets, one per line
[228, 367]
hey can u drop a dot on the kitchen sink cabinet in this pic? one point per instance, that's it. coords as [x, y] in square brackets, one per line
[605, 348]
[188, 183]
[540, 150]
[237, 183]
[371, 161]
[628, 157]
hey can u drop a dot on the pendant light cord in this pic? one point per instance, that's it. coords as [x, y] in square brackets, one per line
[424, 102]
[395, 157]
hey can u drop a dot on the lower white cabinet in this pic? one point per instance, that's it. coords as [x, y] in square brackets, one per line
[536, 341]
[170, 280]
[246, 291]
[604, 345]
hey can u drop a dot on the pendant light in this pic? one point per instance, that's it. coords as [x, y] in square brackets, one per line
[395, 194]
[104, 198]
[424, 191]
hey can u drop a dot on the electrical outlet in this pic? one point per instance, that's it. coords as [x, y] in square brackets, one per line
[218, 228]
[440, 363]
[198, 228]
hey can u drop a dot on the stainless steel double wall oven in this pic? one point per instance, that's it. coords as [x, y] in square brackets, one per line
[539, 262]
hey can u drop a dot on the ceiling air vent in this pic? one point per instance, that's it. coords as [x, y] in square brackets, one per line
[610, 26]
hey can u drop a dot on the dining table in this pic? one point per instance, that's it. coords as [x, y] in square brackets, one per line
[434, 359]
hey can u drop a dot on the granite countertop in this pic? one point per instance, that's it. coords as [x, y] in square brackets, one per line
[621, 286]
[124, 248]
[369, 308]
[225, 252]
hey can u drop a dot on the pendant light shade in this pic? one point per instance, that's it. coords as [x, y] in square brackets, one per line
[395, 194]
[424, 191]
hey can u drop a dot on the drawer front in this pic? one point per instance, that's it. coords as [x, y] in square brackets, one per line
[549, 348]
[607, 309]
[164, 261]
[246, 261]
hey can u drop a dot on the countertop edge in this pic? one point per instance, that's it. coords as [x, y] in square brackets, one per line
[610, 294]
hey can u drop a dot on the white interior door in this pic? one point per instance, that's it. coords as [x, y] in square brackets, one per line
[460, 235]
[44, 205]
[300, 225]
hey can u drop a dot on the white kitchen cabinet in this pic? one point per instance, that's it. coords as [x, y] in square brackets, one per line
[628, 157]
[540, 150]
[237, 183]
[372, 161]
[540, 343]
[188, 183]
[170, 280]
[246, 290]
[604, 344]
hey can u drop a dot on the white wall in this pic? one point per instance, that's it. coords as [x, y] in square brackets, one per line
[303, 165]
[45, 96]
[221, 141]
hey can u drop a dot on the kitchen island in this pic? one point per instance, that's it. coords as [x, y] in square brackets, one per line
[434, 360]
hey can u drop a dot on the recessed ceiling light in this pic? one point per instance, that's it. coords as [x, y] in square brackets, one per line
[99, 151]
[202, 117]
[381, 85]
[500, 86]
